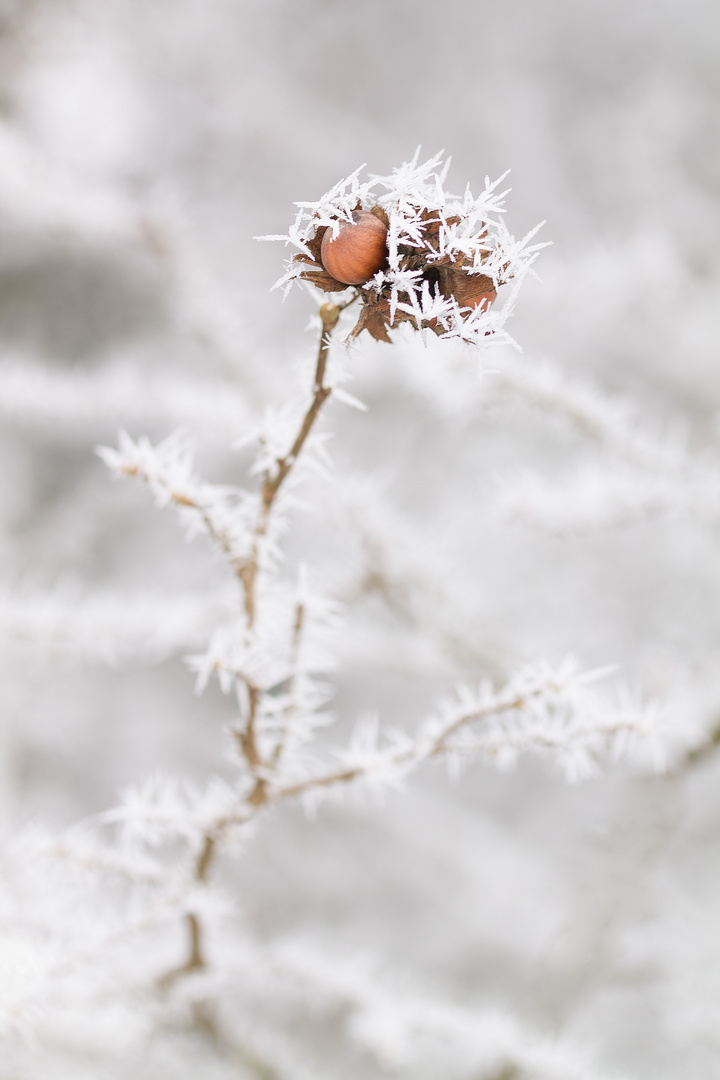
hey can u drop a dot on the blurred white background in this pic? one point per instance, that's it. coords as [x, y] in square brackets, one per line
[142, 147]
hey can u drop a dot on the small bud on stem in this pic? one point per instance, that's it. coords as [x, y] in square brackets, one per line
[329, 313]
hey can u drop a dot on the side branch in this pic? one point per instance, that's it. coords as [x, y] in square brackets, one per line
[541, 710]
[546, 712]
[416, 752]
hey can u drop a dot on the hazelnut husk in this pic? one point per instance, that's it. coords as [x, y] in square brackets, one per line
[451, 277]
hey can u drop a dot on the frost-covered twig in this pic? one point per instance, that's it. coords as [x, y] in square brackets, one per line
[703, 750]
[222, 513]
[415, 580]
[541, 710]
[651, 474]
[551, 712]
[402, 1026]
[73, 402]
[604, 496]
[611, 421]
[110, 627]
[276, 475]
[239, 525]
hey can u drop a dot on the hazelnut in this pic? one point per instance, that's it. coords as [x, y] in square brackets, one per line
[470, 290]
[358, 251]
[480, 296]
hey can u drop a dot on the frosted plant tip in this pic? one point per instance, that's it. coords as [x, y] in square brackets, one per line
[413, 252]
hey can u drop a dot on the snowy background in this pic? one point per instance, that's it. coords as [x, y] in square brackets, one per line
[489, 509]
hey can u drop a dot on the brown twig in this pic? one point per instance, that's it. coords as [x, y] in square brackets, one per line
[272, 483]
[249, 1058]
[298, 625]
[185, 501]
[248, 571]
[404, 756]
[273, 480]
[706, 748]
[195, 960]
[263, 794]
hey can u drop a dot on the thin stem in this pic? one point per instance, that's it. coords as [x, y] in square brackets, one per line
[272, 483]
[263, 794]
[700, 753]
[248, 573]
[202, 866]
[183, 500]
[247, 1057]
[195, 959]
[414, 754]
[292, 689]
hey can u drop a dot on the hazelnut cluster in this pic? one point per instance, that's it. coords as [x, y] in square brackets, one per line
[414, 253]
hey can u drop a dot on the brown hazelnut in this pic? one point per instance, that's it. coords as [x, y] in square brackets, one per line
[479, 297]
[470, 290]
[358, 251]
